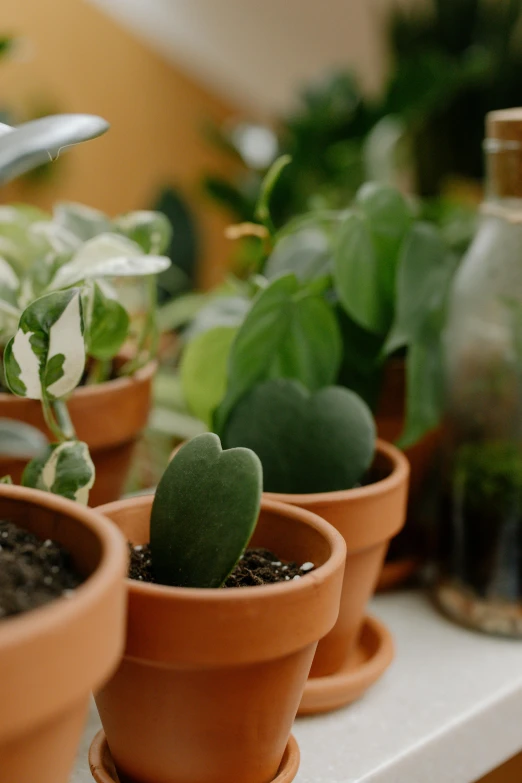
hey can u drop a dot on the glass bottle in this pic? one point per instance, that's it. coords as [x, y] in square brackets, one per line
[480, 579]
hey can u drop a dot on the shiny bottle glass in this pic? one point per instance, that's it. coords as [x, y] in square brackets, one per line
[480, 579]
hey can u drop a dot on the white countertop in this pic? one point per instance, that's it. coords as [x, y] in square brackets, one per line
[448, 709]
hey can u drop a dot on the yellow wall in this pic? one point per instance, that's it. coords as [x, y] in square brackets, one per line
[82, 61]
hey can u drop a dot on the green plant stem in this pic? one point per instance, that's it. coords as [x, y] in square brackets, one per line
[64, 420]
[99, 371]
[50, 420]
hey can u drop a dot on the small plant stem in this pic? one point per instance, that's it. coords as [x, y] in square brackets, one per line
[50, 420]
[99, 371]
[64, 420]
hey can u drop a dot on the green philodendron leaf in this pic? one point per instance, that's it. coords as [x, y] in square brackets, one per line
[306, 442]
[108, 325]
[65, 469]
[357, 274]
[83, 222]
[46, 357]
[203, 370]
[287, 333]
[36, 142]
[307, 253]
[389, 217]
[150, 230]
[204, 513]
[20, 440]
[108, 255]
[424, 275]
[220, 311]
[424, 389]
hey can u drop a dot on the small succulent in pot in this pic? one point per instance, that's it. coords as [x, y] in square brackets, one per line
[61, 319]
[204, 513]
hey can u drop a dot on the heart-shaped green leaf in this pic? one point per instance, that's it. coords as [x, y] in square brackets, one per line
[107, 324]
[307, 253]
[204, 513]
[288, 333]
[306, 442]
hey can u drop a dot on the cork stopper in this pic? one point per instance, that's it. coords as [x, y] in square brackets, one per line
[503, 146]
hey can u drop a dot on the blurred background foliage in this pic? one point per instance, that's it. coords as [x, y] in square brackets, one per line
[450, 63]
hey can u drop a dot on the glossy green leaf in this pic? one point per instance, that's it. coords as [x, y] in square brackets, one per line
[20, 440]
[357, 274]
[389, 218]
[219, 311]
[36, 142]
[108, 325]
[204, 513]
[307, 253]
[424, 388]
[204, 370]
[424, 275]
[46, 357]
[287, 333]
[306, 442]
[270, 180]
[65, 469]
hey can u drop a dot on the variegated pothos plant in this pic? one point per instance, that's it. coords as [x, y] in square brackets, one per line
[61, 319]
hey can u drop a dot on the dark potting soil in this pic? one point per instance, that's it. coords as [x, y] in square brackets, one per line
[32, 572]
[256, 567]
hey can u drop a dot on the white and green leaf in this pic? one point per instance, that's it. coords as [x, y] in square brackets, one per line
[82, 221]
[108, 255]
[46, 357]
[107, 324]
[152, 231]
[65, 469]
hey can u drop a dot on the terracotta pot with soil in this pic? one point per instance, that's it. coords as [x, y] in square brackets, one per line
[211, 679]
[61, 554]
[406, 552]
[368, 517]
[109, 417]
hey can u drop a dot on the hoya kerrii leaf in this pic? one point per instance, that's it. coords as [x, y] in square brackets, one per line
[65, 469]
[203, 370]
[307, 442]
[424, 275]
[108, 255]
[152, 231]
[46, 357]
[83, 222]
[107, 324]
[357, 274]
[20, 440]
[287, 333]
[204, 513]
[36, 142]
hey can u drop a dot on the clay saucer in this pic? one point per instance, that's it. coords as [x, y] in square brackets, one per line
[365, 665]
[104, 771]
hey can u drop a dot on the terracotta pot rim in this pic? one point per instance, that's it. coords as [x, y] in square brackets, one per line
[97, 389]
[399, 474]
[47, 619]
[246, 594]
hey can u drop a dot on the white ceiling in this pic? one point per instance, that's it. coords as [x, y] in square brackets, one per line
[257, 52]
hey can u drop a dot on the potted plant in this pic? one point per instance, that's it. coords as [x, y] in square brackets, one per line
[62, 612]
[211, 678]
[355, 297]
[64, 330]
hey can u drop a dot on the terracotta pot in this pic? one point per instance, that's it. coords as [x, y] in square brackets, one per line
[390, 422]
[211, 679]
[51, 657]
[108, 417]
[367, 517]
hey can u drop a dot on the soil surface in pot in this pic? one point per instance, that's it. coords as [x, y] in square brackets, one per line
[255, 567]
[32, 572]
